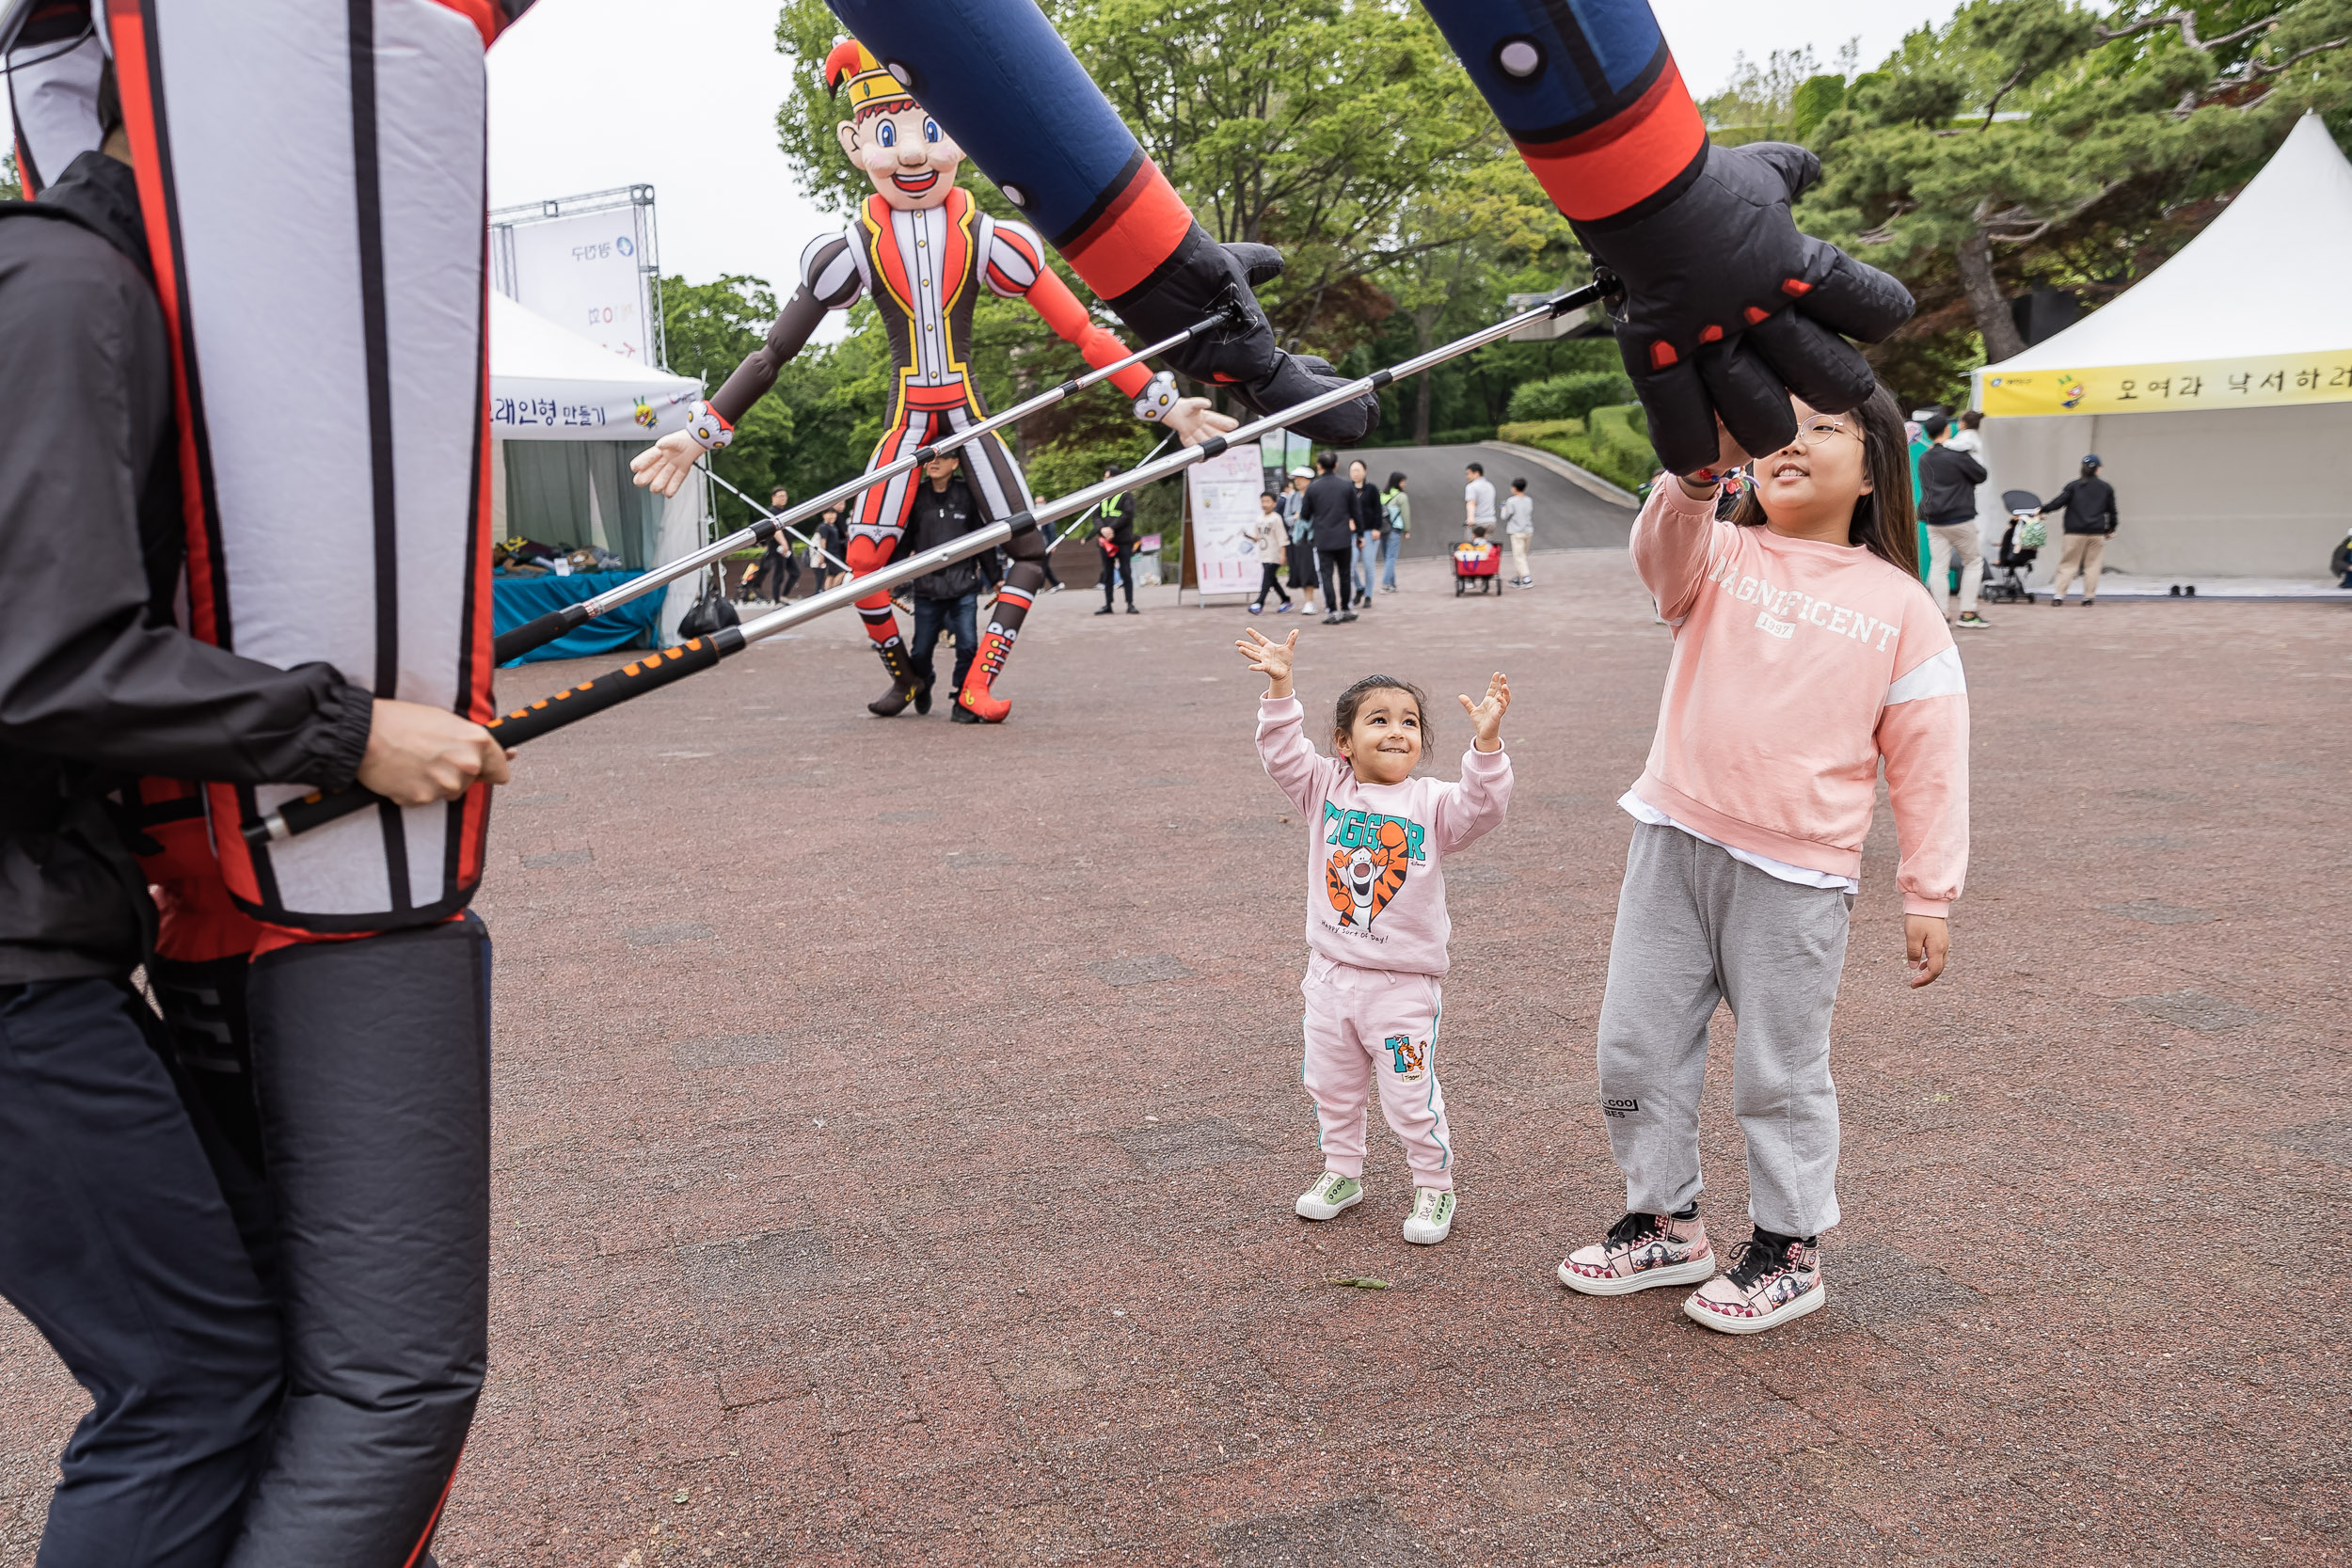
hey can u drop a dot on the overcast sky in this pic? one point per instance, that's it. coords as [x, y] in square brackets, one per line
[587, 94]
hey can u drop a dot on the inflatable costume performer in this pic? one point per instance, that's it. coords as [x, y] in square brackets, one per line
[1728, 307]
[923, 249]
[318, 483]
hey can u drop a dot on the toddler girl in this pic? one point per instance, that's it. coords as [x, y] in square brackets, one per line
[1805, 653]
[1376, 924]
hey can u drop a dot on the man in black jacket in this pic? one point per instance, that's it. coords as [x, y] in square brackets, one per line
[945, 510]
[2088, 502]
[1947, 506]
[1330, 508]
[117, 1240]
[1115, 536]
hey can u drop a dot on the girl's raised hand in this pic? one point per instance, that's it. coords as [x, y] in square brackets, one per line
[1270, 659]
[1486, 717]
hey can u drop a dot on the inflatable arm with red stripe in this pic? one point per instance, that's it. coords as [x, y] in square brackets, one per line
[1000, 80]
[1728, 307]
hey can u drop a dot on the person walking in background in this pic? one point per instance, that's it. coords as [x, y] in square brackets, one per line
[2088, 502]
[945, 510]
[832, 539]
[1331, 515]
[1478, 499]
[1115, 531]
[1949, 478]
[1369, 522]
[1518, 525]
[1269, 541]
[1302, 546]
[1396, 516]
[778, 571]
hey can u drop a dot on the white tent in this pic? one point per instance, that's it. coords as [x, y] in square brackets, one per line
[547, 385]
[2217, 390]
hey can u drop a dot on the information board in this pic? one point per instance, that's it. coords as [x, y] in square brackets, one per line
[585, 274]
[1223, 492]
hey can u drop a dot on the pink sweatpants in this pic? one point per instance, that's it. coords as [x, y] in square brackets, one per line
[1367, 1023]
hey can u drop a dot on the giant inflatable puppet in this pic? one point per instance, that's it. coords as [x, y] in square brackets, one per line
[923, 249]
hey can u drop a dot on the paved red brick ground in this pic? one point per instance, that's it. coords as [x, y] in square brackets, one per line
[897, 1125]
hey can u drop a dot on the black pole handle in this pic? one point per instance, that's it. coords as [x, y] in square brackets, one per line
[528, 723]
[534, 719]
[517, 641]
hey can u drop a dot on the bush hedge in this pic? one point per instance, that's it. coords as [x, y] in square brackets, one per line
[1568, 397]
[1612, 441]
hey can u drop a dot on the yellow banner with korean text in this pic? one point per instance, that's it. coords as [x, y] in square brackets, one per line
[2186, 385]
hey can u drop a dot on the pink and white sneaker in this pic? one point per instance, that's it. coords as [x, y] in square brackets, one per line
[1771, 1280]
[1640, 1251]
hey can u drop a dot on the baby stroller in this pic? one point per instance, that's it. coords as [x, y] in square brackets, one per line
[2021, 541]
[1478, 561]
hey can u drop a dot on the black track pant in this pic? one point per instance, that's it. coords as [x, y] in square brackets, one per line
[372, 1058]
[116, 1244]
[1336, 584]
[1124, 560]
[1268, 576]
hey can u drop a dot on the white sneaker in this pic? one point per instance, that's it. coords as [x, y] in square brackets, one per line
[1432, 1219]
[1331, 1194]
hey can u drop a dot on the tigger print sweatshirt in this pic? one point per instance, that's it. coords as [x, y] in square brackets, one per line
[1798, 667]
[1375, 853]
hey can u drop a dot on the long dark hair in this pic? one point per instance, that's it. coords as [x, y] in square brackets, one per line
[1885, 521]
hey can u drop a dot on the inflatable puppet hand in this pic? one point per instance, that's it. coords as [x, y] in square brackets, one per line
[663, 467]
[1728, 308]
[1203, 276]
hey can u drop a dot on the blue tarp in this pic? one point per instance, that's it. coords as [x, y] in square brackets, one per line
[517, 599]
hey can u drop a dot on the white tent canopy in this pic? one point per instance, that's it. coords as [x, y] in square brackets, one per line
[2217, 390]
[547, 385]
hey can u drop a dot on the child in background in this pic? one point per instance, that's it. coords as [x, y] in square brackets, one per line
[1805, 653]
[1269, 541]
[1377, 925]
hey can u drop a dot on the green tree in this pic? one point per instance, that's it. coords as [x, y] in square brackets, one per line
[11, 189]
[2037, 142]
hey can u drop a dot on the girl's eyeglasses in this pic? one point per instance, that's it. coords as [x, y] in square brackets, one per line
[1819, 428]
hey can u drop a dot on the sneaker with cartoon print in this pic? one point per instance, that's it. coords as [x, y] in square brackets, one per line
[1331, 1194]
[1771, 1280]
[1640, 1251]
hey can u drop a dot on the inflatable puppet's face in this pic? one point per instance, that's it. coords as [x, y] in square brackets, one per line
[904, 152]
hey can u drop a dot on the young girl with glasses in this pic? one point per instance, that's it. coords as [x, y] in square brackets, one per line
[1806, 654]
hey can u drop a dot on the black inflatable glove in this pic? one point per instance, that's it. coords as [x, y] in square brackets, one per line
[1728, 310]
[1202, 276]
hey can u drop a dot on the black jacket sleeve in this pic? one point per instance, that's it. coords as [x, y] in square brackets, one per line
[88, 672]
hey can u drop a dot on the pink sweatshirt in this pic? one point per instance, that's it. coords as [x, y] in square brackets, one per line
[1797, 667]
[1375, 884]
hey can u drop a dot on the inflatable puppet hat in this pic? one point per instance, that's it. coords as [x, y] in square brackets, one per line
[872, 85]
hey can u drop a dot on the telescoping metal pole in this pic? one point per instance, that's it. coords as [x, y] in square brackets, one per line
[634, 679]
[555, 622]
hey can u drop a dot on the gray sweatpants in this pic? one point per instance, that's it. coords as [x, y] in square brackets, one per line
[1696, 926]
